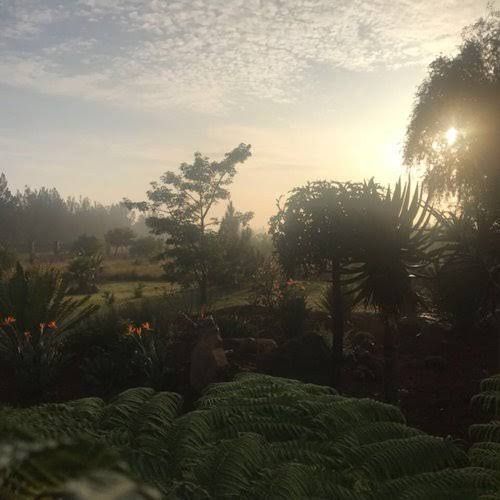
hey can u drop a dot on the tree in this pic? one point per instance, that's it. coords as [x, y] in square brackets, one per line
[312, 232]
[119, 237]
[8, 212]
[180, 207]
[7, 260]
[146, 248]
[239, 258]
[87, 245]
[455, 124]
[389, 247]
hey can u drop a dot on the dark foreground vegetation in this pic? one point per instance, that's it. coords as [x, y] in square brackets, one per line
[363, 304]
[255, 437]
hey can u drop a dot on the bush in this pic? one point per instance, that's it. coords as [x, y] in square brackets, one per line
[139, 290]
[83, 273]
[146, 248]
[292, 309]
[39, 319]
[87, 245]
[7, 261]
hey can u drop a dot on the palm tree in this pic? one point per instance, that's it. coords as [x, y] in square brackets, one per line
[391, 239]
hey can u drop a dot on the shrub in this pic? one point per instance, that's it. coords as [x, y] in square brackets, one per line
[266, 284]
[146, 248]
[87, 245]
[7, 260]
[83, 273]
[35, 331]
[139, 290]
[292, 309]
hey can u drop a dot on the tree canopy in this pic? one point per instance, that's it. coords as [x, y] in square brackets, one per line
[454, 128]
[180, 207]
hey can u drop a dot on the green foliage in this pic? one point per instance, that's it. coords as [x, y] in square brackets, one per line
[87, 245]
[465, 288]
[43, 217]
[147, 247]
[38, 320]
[238, 258]
[119, 238]
[39, 296]
[390, 246]
[7, 260]
[266, 284]
[83, 273]
[139, 290]
[255, 437]
[462, 92]
[180, 207]
[484, 454]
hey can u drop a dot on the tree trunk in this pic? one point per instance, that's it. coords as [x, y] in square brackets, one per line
[337, 326]
[203, 288]
[390, 360]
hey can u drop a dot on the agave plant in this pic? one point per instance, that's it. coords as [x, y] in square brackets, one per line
[390, 247]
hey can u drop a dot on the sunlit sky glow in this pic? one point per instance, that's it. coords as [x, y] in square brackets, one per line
[99, 97]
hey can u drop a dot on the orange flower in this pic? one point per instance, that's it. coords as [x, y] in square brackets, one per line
[52, 325]
[9, 320]
[146, 326]
[133, 330]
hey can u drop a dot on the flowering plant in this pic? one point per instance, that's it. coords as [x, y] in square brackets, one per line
[33, 356]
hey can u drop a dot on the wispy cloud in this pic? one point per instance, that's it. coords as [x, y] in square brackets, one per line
[205, 55]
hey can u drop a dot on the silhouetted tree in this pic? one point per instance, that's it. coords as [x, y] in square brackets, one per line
[87, 245]
[455, 125]
[239, 258]
[180, 207]
[119, 238]
[313, 232]
[146, 248]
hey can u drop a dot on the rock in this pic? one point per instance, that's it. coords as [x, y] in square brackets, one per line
[208, 359]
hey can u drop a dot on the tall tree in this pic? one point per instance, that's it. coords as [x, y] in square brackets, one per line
[238, 256]
[455, 124]
[180, 207]
[312, 232]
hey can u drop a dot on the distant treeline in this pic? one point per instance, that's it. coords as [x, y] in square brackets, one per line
[41, 218]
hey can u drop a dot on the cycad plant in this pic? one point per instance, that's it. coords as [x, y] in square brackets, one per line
[467, 284]
[389, 248]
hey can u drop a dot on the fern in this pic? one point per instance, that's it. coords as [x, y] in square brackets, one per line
[255, 437]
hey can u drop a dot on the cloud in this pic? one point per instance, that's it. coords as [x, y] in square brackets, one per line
[208, 55]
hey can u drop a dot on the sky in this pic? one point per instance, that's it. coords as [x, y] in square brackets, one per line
[100, 97]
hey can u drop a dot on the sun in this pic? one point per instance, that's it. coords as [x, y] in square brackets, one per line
[451, 136]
